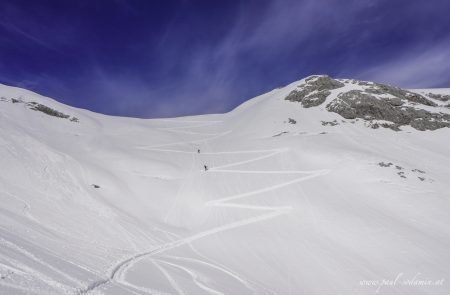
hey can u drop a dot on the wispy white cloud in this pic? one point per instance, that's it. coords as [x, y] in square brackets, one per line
[427, 65]
[211, 78]
[16, 30]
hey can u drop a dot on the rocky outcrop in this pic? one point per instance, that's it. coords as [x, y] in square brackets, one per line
[314, 91]
[358, 104]
[440, 97]
[46, 110]
[378, 104]
[40, 108]
[381, 89]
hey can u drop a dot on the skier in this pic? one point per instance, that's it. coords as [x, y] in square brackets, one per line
[198, 151]
[206, 167]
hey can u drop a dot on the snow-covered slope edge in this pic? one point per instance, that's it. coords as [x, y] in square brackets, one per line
[302, 195]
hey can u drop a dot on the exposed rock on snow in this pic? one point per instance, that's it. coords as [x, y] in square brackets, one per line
[357, 104]
[402, 172]
[373, 102]
[315, 91]
[382, 164]
[399, 93]
[330, 123]
[51, 112]
[46, 110]
[279, 134]
[440, 97]
[41, 108]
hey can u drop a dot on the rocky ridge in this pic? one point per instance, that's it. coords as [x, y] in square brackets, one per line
[379, 104]
[40, 108]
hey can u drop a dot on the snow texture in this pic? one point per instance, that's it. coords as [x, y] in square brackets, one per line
[93, 204]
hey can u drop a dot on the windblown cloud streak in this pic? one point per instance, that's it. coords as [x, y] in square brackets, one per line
[427, 66]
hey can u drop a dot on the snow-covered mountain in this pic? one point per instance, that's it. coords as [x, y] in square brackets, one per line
[321, 187]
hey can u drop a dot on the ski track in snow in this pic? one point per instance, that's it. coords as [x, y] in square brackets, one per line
[169, 278]
[118, 272]
[194, 277]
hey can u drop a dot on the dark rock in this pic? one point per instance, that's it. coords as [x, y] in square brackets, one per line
[357, 104]
[393, 126]
[49, 111]
[279, 134]
[364, 83]
[382, 164]
[374, 101]
[417, 98]
[320, 83]
[330, 123]
[399, 93]
[374, 91]
[297, 95]
[401, 174]
[315, 99]
[315, 91]
[393, 101]
[291, 121]
[440, 97]
[428, 123]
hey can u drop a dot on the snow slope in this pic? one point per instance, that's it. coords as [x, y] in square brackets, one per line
[111, 205]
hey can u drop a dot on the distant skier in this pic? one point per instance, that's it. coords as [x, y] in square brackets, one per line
[206, 167]
[198, 151]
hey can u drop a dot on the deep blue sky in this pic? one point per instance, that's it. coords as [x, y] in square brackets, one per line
[159, 58]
